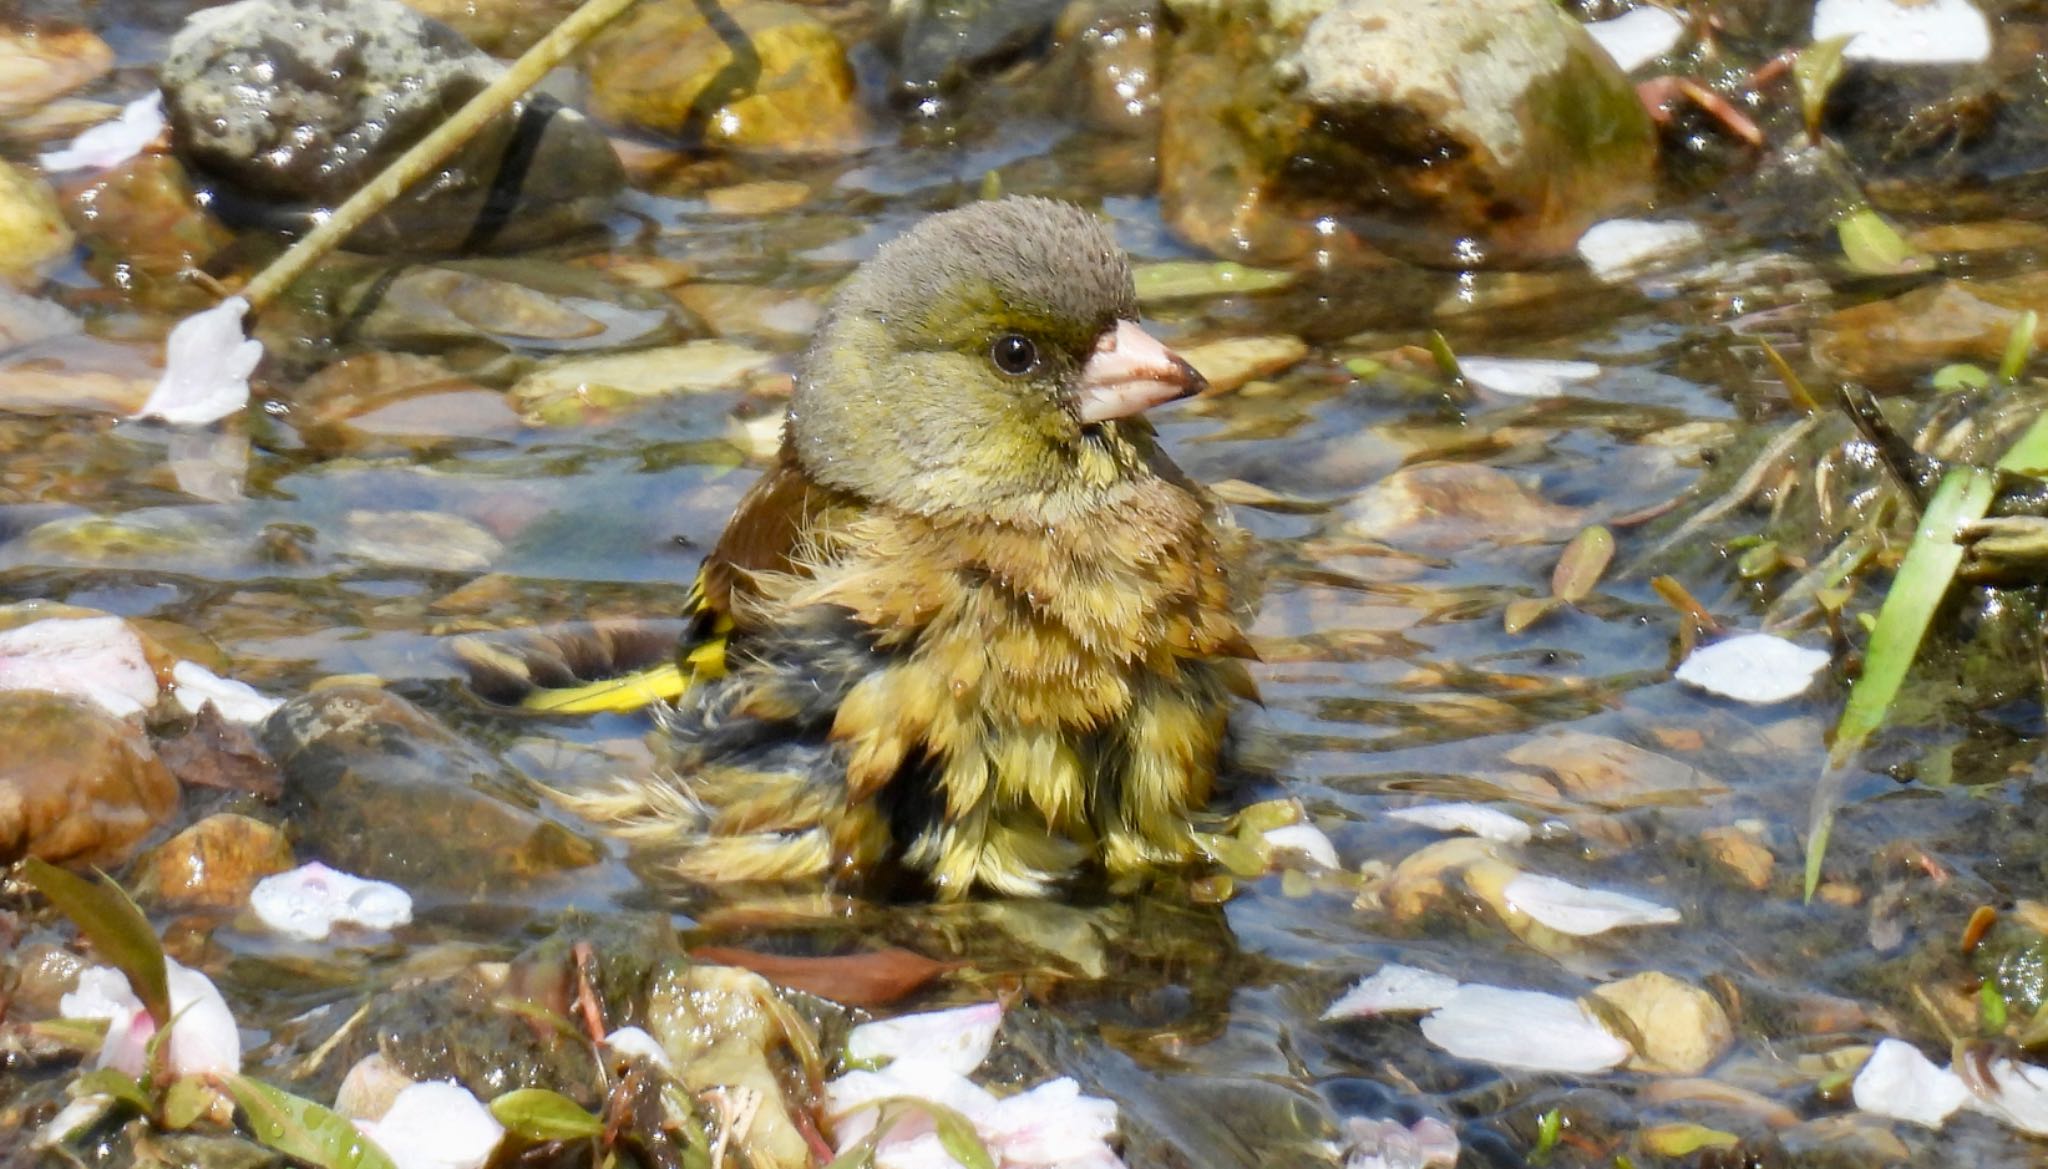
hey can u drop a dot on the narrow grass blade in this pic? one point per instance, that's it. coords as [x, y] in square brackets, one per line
[1964, 495]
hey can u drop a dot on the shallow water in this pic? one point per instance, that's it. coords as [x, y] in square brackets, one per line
[1388, 677]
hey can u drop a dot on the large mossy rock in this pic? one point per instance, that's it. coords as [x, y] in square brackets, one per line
[1452, 133]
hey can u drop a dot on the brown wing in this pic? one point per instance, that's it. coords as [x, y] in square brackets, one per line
[764, 534]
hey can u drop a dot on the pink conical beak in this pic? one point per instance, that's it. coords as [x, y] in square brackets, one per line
[1130, 372]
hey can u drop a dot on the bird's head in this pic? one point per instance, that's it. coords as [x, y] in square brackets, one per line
[990, 359]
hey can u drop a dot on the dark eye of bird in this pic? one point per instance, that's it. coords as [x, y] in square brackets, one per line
[1014, 355]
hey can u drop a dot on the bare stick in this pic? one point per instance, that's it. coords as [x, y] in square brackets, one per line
[429, 152]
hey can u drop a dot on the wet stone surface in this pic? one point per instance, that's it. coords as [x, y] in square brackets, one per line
[379, 788]
[1334, 205]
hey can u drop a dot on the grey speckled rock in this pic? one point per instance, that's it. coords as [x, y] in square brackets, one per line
[288, 106]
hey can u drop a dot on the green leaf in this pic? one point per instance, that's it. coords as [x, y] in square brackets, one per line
[861, 1154]
[1873, 246]
[1580, 565]
[1795, 388]
[111, 1082]
[1816, 70]
[1266, 815]
[79, 1035]
[1991, 1010]
[1683, 1139]
[2019, 347]
[1522, 612]
[1182, 279]
[186, 1102]
[955, 1132]
[1446, 361]
[1965, 493]
[1760, 561]
[303, 1130]
[1238, 857]
[1549, 1128]
[109, 919]
[1960, 376]
[537, 1114]
[957, 1136]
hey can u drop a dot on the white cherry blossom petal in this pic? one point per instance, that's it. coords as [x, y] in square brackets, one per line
[435, 1125]
[1582, 912]
[1305, 840]
[1638, 36]
[1526, 377]
[204, 1038]
[1899, 1082]
[2015, 1093]
[635, 1043]
[1394, 987]
[110, 144]
[958, 1039]
[207, 363]
[98, 659]
[1477, 819]
[309, 901]
[1905, 32]
[193, 685]
[1756, 668]
[1523, 1029]
[1617, 248]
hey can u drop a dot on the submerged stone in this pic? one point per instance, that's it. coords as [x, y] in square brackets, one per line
[378, 787]
[521, 305]
[762, 76]
[1680, 1030]
[214, 863]
[1454, 505]
[502, 28]
[145, 232]
[76, 784]
[39, 63]
[33, 236]
[941, 44]
[289, 106]
[1452, 133]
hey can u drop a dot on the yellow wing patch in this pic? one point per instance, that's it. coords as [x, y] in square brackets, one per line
[703, 661]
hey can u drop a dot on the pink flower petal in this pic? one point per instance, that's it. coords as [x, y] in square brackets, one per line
[204, 1038]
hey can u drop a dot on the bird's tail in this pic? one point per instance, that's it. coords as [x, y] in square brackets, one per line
[582, 668]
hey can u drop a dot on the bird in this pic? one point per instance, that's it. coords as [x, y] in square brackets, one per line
[973, 629]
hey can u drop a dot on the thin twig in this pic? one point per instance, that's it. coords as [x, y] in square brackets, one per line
[429, 152]
[1908, 467]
